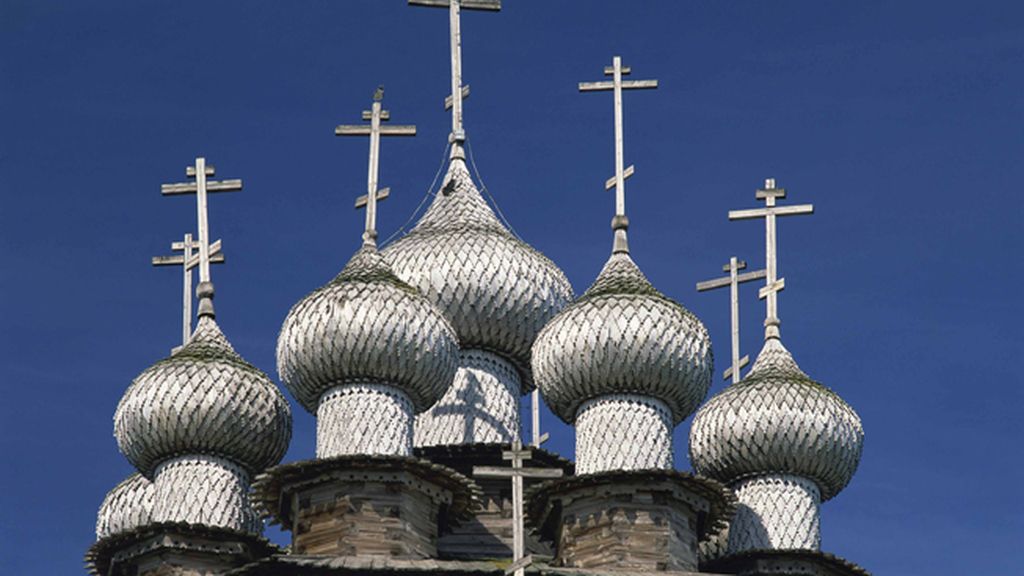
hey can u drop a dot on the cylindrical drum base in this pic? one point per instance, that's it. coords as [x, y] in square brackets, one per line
[482, 405]
[204, 490]
[364, 419]
[777, 511]
[623, 432]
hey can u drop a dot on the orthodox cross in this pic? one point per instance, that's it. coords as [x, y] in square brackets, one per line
[733, 280]
[620, 223]
[188, 260]
[459, 92]
[773, 284]
[201, 187]
[517, 455]
[376, 114]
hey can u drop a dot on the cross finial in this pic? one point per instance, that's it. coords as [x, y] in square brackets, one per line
[517, 455]
[376, 114]
[773, 284]
[733, 280]
[620, 223]
[459, 92]
[188, 260]
[201, 187]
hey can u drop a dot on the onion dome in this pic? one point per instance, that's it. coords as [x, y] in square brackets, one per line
[496, 290]
[623, 337]
[203, 399]
[777, 421]
[367, 326]
[126, 507]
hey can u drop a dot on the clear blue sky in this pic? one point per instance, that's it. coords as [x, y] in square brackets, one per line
[901, 121]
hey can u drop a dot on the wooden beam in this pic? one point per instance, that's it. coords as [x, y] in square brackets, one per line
[191, 187]
[626, 85]
[178, 260]
[490, 5]
[775, 210]
[720, 282]
[449, 101]
[499, 472]
[191, 171]
[610, 183]
[365, 198]
[728, 371]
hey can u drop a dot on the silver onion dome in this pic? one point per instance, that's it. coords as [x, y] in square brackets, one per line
[126, 507]
[496, 290]
[623, 337]
[364, 326]
[777, 420]
[203, 399]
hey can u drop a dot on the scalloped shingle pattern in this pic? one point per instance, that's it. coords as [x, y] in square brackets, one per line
[776, 512]
[481, 406]
[364, 419]
[366, 325]
[623, 337]
[204, 490]
[203, 399]
[623, 432]
[496, 290]
[777, 421]
[126, 507]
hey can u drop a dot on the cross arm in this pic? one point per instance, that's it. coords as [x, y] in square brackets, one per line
[216, 256]
[743, 362]
[191, 171]
[384, 115]
[350, 130]
[626, 85]
[363, 200]
[499, 472]
[727, 280]
[449, 101]
[178, 260]
[490, 5]
[610, 183]
[777, 286]
[775, 210]
[191, 187]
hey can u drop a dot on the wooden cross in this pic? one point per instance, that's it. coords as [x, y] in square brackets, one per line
[376, 114]
[517, 455]
[620, 223]
[201, 187]
[459, 92]
[187, 260]
[733, 280]
[773, 285]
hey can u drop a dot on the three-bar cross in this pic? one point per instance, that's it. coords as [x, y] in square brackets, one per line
[517, 472]
[459, 92]
[187, 260]
[376, 114]
[620, 223]
[201, 187]
[733, 280]
[773, 285]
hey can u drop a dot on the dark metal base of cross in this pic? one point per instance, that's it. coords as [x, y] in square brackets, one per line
[778, 562]
[638, 521]
[365, 506]
[175, 549]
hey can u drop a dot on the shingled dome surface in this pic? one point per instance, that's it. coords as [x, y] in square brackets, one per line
[777, 420]
[203, 399]
[497, 291]
[126, 507]
[367, 326]
[623, 337]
